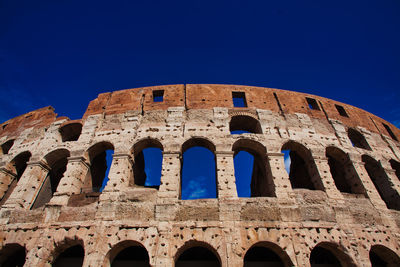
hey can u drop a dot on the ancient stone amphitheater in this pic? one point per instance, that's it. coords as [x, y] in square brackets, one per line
[339, 205]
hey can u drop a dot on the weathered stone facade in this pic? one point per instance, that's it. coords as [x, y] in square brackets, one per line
[291, 220]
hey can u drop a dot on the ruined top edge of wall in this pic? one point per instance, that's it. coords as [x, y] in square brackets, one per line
[206, 96]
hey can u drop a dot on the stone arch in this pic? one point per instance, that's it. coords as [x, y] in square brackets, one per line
[69, 252]
[129, 251]
[245, 123]
[261, 177]
[98, 166]
[70, 131]
[197, 252]
[380, 255]
[57, 163]
[396, 167]
[6, 146]
[12, 255]
[303, 170]
[357, 139]
[330, 254]
[264, 253]
[381, 181]
[198, 169]
[152, 149]
[343, 172]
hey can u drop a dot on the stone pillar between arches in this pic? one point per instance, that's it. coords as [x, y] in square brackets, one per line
[226, 182]
[280, 177]
[326, 178]
[6, 179]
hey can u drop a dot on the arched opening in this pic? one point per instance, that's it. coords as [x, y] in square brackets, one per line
[266, 254]
[198, 177]
[244, 124]
[57, 161]
[17, 166]
[381, 182]
[12, 255]
[381, 256]
[148, 163]
[343, 172]
[72, 256]
[197, 254]
[128, 253]
[7, 146]
[71, 131]
[322, 257]
[300, 165]
[252, 171]
[357, 139]
[100, 156]
[396, 167]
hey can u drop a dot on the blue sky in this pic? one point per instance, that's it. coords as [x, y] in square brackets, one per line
[64, 53]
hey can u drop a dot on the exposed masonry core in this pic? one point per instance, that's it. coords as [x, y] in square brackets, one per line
[338, 205]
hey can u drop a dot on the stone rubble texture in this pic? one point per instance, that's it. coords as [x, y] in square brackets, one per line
[295, 220]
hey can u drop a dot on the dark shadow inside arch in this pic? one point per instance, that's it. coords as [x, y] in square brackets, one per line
[343, 172]
[148, 163]
[357, 139]
[71, 257]
[381, 181]
[7, 146]
[197, 256]
[303, 172]
[71, 131]
[17, 166]
[396, 167]
[252, 170]
[57, 161]
[100, 156]
[12, 255]
[244, 124]
[381, 256]
[198, 177]
[131, 256]
[259, 256]
[322, 257]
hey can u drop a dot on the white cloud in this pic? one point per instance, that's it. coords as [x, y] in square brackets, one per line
[195, 188]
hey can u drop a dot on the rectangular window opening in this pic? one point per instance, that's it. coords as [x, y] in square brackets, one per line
[158, 95]
[390, 132]
[341, 111]
[312, 103]
[239, 99]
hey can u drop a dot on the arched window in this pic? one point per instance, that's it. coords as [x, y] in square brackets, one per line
[197, 254]
[57, 161]
[148, 163]
[128, 253]
[396, 167]
[343, 172]
[12, 255]
[381, 182]
[16, 166]
[198, 169]
[381, 256]
[330, 255]
[72, 256]
[244, 124]
[100, 156]
[71, 131]
[7, 146]
[266, 254]
[357, 139]
[252, 170]
[301, 167]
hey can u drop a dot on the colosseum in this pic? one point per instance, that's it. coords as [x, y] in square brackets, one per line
[338, 204]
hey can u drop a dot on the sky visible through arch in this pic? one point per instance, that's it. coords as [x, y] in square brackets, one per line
[64, 53]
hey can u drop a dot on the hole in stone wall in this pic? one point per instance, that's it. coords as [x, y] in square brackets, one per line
[198, 170]
[72, 256]
[12, 255]
[197, 257]
[341, 111]
[301, 167]
[71, 132]
[381, 256]
[357, 139]
[390, 131]
[7, 146]
[252, 171]
[57, 161]
[312, 103]
[381, 181]
[132, 256]
[158, 95]
[244, 124]
[239, 99]
[396, 167]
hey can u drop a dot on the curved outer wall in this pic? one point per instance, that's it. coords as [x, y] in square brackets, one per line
[295, 220]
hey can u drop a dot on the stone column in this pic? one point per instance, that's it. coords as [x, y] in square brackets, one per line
[6, 178]
[326, 177]
[279, 174]
[121, 173]
[29, 185]
[72, 180]
[226, 182]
